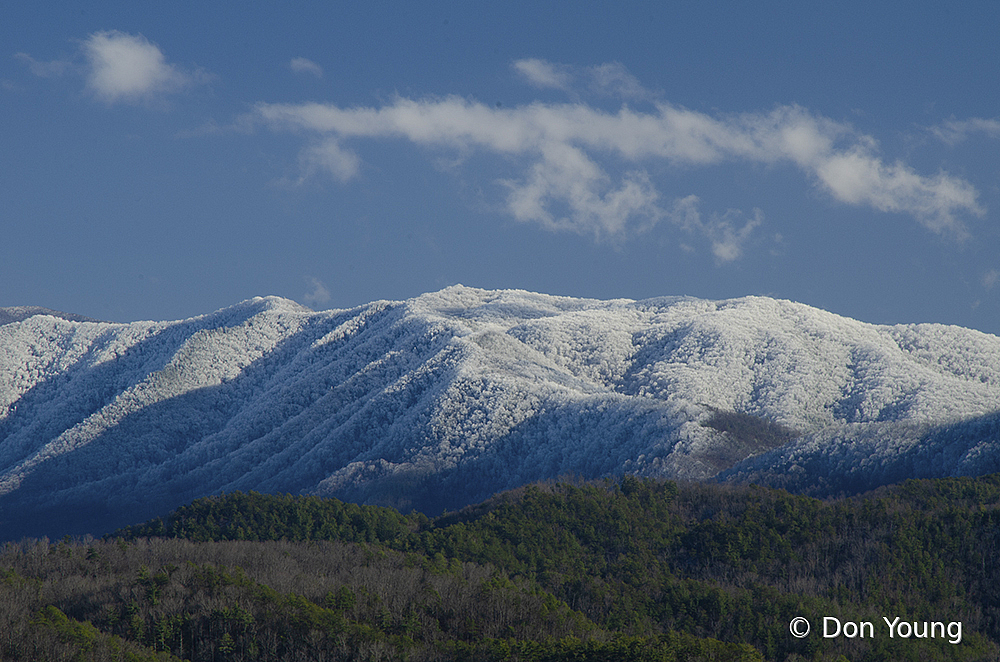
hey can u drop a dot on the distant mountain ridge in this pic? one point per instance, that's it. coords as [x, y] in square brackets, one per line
[444, 399]
[20, 313]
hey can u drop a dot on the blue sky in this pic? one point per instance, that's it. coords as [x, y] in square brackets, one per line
[163, 160]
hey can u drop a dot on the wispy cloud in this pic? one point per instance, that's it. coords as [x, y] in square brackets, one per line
[44, 69]
[328, 156]
[585, 168]
[609, 79]
[990, 279]
[614, 80]
[727, 233]
[318, 294]
[544, 74]
[955, 131]
[301, 65]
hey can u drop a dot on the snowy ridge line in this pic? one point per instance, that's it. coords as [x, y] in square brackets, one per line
[444, 399]
[19, 313]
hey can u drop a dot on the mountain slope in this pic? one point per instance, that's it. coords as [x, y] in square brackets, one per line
[442, 400]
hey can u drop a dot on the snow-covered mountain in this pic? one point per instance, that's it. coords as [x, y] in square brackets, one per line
[441, 400]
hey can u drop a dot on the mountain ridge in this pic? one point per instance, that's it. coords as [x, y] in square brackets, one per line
[19, 313]
[444, 399]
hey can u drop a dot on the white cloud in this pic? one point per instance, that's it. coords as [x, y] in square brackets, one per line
[858, 178]
[44, 69]
[609, 79]
[301, 65]
[727, 240]
[954, 131]
[318, 295]
[584, 166]
[544, 74]
[613, 79]
[119, 67]
[326, 155]
[124, 67]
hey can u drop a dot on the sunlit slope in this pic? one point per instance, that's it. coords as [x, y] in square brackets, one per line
[444, 399]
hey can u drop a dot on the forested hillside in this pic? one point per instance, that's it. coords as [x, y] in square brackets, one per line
[634, 569]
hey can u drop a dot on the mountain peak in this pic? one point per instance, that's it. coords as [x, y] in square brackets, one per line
[445, 398]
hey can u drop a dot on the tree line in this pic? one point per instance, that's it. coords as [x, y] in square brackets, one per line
[625, 569]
